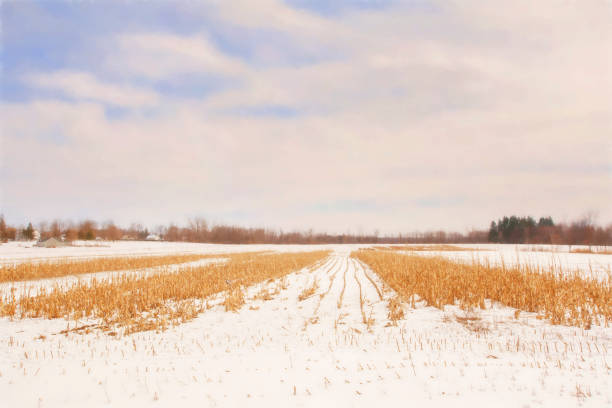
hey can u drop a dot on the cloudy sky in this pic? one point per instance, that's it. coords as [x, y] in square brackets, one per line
[340, 116]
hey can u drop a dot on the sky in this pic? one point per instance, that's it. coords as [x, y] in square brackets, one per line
[344, 116]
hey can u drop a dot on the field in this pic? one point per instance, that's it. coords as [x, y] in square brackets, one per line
[160, 324]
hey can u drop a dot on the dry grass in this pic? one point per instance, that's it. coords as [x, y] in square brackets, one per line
[138, 303]
[234, 298]
[395, 310]
[309, 291]
[472, 322]
[602, 250]
[417, 248]
[64, 267]
[591, 251]
[265, 293]
[569, 299]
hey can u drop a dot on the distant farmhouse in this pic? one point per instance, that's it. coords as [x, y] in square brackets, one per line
[52, 243]
[153, 237]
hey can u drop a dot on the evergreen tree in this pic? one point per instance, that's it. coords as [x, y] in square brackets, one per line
[28, 233]
[517, 230]
[546, 222]
[493, 232]
[3, 236]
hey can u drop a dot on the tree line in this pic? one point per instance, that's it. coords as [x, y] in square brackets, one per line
[198, 230]
[513, 229]
[525, 230]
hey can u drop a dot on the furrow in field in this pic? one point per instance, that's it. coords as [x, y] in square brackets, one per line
[377, 286]
[340, 303]
[311, 280]
[330, 275]
[340, 298]
[361, 298]
[353, 302]
[375, 300]
[325, 308]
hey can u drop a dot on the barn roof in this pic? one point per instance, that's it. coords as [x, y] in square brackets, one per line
[51, 243]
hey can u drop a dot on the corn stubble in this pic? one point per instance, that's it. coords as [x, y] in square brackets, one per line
[155, 302]
[590, 251]
[426, 248]
[562, 298]
[65, 267]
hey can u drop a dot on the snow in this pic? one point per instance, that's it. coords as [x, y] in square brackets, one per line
[22, 251]
[312, 353]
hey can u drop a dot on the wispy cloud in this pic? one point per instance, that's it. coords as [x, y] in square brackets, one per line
[84, 86]
[163, 55]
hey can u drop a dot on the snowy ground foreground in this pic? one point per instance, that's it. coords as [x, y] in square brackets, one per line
[317, 352]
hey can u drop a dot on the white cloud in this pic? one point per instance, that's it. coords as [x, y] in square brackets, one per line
[82, 85]
[273, 15]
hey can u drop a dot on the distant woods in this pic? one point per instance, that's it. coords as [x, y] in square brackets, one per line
[512, 230]
[525, 230]
[515, 230]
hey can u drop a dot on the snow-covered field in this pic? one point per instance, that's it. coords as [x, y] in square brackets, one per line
[13, 252]
[558, 257]
[315, 352]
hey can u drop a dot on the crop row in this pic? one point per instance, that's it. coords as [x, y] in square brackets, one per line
[146, 302]
[561, 297]
[64, 267]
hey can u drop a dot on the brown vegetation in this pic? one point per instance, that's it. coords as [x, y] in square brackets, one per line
[569, 298]
[441, 247]
[234, 298]
[525, 230]
[395, 310]
[137, 303]
[64, 267]
[309, 291]
[509, 230]
[591, 251]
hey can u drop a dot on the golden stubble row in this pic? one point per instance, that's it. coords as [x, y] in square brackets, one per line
[426, 248]
[561, 297]
[65, 267]
[591, 251]
[135, 302]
